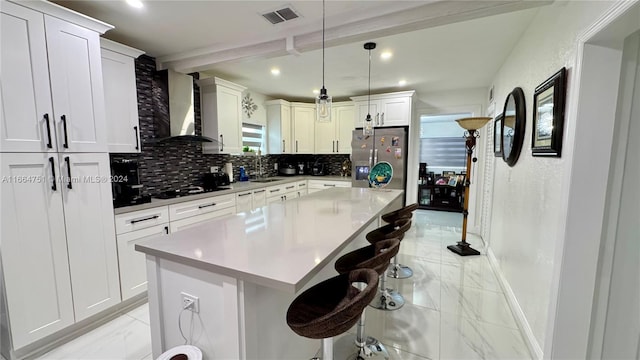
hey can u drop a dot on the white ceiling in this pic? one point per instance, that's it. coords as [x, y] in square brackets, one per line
[437, 45]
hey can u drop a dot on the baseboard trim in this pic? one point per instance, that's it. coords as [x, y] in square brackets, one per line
[516, 310]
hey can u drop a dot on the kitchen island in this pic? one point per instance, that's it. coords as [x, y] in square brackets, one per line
[246, 269]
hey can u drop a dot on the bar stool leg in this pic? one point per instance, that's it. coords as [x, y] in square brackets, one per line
[366, 347]
[387, 299]
[398, 271]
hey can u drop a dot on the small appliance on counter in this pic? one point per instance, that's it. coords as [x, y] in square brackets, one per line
[287, 169]
[125, 186]
[317, 169]
[302, 168]
[215, 180]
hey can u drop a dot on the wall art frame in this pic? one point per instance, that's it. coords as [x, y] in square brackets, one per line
[549, 101]
[497, 135]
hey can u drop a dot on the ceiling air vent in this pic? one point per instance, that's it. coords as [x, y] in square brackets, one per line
[281, 15]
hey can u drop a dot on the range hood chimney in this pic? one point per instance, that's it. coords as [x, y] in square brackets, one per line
[181, 122]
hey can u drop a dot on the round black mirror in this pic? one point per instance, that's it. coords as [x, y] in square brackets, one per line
[513, 126]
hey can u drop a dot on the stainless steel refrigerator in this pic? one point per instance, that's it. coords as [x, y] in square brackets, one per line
[386, 144]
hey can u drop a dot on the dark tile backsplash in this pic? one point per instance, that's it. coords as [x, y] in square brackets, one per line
[170, 165]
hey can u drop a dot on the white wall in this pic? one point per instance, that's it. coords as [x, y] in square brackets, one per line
[527, 198]
[260, 115]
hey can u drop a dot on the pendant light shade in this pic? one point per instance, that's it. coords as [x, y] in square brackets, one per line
[367, 129]
[323, 101]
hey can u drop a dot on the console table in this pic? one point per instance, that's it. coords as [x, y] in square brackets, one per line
[441, 197]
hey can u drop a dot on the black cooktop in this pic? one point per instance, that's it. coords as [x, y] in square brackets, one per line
[193, 190]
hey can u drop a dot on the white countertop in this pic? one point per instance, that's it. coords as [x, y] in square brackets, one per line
[234, 187]
[281, 245]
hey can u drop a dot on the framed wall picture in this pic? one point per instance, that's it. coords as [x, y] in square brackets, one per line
[497, 135]
[548, 115]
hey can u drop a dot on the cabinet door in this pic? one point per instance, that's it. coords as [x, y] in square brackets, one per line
[198, 219]
[395, 112]
[345, 120]
[243, 201]
[286, 131]
[259, 198]
[279, 198]
[361, 111]
[76, 86]
[230, 120]
[91, 237]
[132, 264]
[34, 248]
[303, 119]
[25, 98]
[121, 102]
[325, 135]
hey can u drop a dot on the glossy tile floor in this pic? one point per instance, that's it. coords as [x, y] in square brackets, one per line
[455, 307]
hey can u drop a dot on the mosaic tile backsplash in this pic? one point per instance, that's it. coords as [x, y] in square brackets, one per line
[170, 165]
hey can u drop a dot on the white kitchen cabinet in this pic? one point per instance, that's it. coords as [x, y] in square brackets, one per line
[221, 104]
[52, 95]
[244, 201]
[190, 213]
[303, 119]
[334, 137]
[391, 109]
[319, 185]
[88, 213]
[120, 97]
[141, 219]
[302, 188]
[259, 198]
[279, 130]
[34, 249]
[72, 247]
[186, 223]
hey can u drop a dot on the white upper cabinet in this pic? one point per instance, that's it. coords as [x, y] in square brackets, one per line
[221, 106]
[391, 109]
[279, 129]
[120, 96]
[303, 118]
[52, 83]
[334, 137]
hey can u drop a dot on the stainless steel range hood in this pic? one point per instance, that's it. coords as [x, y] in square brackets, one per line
[181, 124]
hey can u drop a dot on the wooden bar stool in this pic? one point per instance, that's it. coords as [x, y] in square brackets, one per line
[396, 270]
[332, 307]
[388, 299]
[376, 257]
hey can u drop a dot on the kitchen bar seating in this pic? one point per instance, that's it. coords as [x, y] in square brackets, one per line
[332, 307]
[376, 257]
[388, 299]
[396, 270]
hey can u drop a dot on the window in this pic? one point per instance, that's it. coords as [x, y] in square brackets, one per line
[253, 136]
[442, 145]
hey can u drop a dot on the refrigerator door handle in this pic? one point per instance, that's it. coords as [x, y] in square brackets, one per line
[382, 119]
[370, 157]
[375, 157]
[378, 119]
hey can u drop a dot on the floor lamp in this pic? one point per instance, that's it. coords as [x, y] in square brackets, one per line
[471, 125]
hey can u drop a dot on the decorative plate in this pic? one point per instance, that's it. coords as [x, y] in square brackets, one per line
[380, 175]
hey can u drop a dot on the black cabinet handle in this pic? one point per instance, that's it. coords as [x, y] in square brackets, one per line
[337, 145]
[329, 185]
[145, 219]
[135, 128]
[240, 195]
[258, 191]
[274, 190]
[46, 118]
[221, 142]
[53, 174]
[166, 230]
[333, 146]
[64, 127]
[290, 187]
[296, 145]
[204, 206]
[282, 145]
[66, 159]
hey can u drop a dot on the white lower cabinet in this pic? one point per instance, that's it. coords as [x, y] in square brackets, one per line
[259, 198]
[132, 264]
[71, 245]
[244, 201]
[190, 213]
[319, 185]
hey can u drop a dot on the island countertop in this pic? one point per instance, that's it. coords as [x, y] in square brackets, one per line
[281, 245]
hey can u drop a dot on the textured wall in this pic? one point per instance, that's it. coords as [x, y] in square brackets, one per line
[527, 198]
[170, 165]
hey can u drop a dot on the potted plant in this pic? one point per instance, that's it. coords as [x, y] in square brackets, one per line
[248, 151]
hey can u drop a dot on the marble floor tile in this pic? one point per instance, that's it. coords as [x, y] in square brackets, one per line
[462, 338]
[475, 272]
[122, 338]
[140, 313]
[477, 304]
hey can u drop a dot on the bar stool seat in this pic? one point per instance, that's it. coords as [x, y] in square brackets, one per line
[402, 213]
[396, 270]
[376, 257]
[332, 307]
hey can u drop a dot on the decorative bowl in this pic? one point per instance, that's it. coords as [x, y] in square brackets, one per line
[380, 175]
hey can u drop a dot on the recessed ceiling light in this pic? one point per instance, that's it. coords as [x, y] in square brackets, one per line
[316, 91]
[275, 71]
[386, 55]
[402, 82]
[135, 3]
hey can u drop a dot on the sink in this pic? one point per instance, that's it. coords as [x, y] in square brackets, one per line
[263, 180]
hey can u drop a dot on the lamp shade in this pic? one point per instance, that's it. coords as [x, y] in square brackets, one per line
[473, 123]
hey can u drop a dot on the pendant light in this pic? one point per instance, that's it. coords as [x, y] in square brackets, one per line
[323, 101]
[367, 129]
